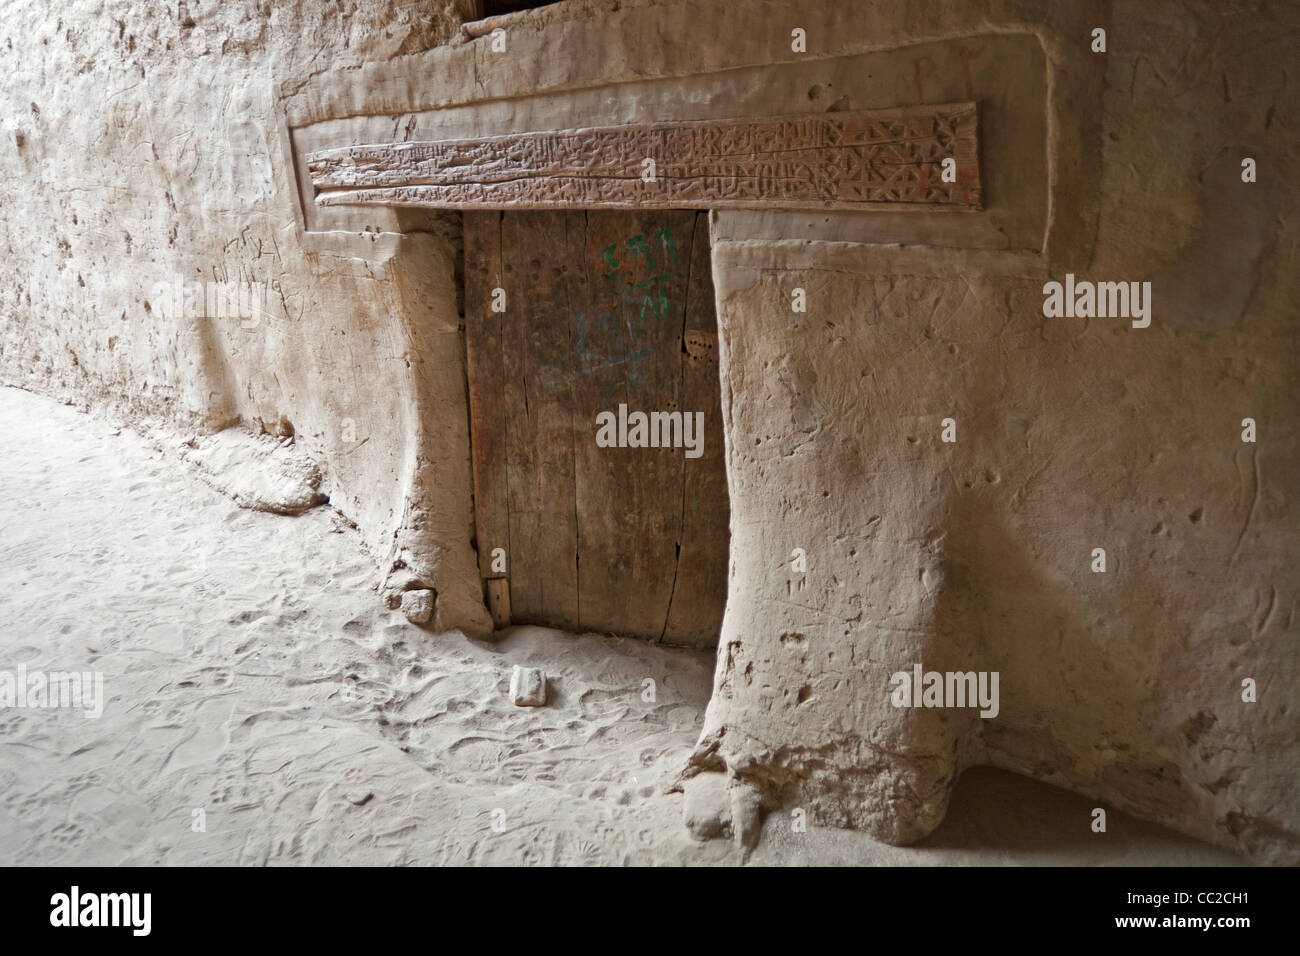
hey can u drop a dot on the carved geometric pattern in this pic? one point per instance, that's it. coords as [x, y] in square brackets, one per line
[890, 158]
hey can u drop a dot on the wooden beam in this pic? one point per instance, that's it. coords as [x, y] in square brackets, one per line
[498, 590]
[889, 159]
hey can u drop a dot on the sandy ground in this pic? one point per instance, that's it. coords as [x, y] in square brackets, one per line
[250, 673]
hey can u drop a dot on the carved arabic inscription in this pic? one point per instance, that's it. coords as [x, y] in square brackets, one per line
[915, 157]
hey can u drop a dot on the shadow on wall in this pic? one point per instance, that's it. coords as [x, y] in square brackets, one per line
[1051, 824]
[1210, 284]
[213, 383]
[1058, 676]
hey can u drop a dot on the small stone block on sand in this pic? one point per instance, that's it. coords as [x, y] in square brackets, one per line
[528, 686]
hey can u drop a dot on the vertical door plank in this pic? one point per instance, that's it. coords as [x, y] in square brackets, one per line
[539, 263]
[484, 364]
[629, 506]
[700, 589]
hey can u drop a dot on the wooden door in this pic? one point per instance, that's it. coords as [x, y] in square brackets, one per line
[570, 315]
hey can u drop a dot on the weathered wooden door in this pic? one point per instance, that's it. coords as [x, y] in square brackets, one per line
[570, 315]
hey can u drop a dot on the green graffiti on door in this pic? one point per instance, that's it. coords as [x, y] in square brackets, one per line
[641, 272]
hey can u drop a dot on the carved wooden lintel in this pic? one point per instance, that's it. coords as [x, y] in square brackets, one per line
[889, 159]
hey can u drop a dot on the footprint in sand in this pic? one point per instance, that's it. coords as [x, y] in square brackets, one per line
[402, 653]
[234, 793]
[588, 852]
[474, 753]
[84, 781]
[67, 836]
[12, 725]
[24, 806]
[602, 703]
[247, 617]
